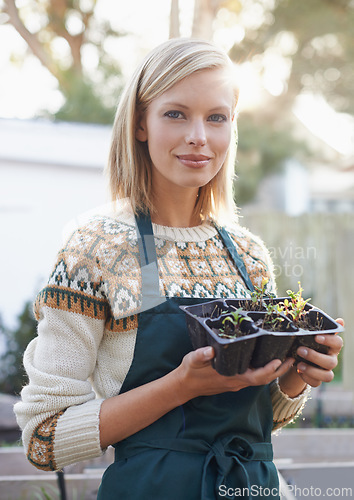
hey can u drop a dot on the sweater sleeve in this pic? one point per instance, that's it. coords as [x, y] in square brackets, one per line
[286, 409]
[59, 410]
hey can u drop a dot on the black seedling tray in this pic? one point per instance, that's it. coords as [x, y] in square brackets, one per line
[231, 355]
[306, 338]
[257, 346]
[272, 345]
[195, 313]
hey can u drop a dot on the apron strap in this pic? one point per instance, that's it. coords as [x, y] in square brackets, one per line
[150, 289]
[236, 258]
[149, 268]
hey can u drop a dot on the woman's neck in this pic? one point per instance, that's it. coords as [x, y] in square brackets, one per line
[176, 211]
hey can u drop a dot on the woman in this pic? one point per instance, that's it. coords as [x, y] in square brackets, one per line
[112, 363]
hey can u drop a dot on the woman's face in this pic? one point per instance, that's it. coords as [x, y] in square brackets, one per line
[188, 131]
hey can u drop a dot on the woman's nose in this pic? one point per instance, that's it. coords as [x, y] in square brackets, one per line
[196, 135]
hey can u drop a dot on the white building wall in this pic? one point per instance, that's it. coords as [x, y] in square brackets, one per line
[38, 198]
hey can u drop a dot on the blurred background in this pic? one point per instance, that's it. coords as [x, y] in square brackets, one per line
[63, 65]
[62, 68]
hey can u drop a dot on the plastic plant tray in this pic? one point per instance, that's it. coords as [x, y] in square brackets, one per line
[257, 346]
[231, 355]
[272, 345]
[196, 312]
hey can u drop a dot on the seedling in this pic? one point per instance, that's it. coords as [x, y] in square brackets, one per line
[295, 308]
[232, 324]
[257, 296]
[272, 319]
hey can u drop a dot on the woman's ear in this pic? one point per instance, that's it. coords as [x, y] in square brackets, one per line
[141, 129]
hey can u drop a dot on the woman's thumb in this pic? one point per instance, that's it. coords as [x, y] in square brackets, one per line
[201, 357]
[208, 352]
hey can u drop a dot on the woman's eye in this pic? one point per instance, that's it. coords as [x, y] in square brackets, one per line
[217, 118]
[173, 114]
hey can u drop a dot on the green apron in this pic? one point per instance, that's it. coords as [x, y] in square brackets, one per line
[210, 448]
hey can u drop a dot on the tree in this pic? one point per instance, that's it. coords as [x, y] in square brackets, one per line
[205, 12]
[72, 24]
[204, 15]
[311, 41]
[174, 19]
[12, 373]
[322, 55]
[296, 47]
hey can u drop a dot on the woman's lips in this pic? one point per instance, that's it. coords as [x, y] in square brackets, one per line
[194, 161]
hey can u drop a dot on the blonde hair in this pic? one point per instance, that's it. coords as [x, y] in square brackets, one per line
[129, 164]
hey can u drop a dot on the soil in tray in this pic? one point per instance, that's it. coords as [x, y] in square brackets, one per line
[305, 322]
[230, 332]
[212, 309]
[248, 305]
[233, 325]
[273, 322]
[233, 349]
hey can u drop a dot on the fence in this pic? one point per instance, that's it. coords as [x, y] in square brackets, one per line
[318, 250]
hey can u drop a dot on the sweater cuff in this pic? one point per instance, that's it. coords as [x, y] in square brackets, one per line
[285, 408]
[77, 435]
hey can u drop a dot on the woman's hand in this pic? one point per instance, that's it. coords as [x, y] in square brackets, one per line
[326, 362]
[140, 407]
[294, 381]
[198, 377]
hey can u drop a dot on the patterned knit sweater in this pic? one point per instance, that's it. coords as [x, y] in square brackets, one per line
[87, 325]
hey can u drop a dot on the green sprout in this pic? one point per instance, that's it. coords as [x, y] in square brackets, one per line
[295, 308]
[258, 294]
[236, 318]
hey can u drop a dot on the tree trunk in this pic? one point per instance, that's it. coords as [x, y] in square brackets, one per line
[203, 19]
[174, 19]
[31, 38]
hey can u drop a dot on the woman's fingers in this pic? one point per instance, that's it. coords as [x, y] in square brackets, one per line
[259, 376]
[269, 372]
[314, 376]
[340, 321]
[200, 357]
[199, 363]
[323, 372]
[334, 342]
[317, 372]
[324, 361]
[203, 379]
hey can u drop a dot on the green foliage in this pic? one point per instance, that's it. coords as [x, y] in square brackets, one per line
[314, 39]
[295, 307]
[12, 373]
[83, 104]
[272, 320]
[232, 324]
[91, 99]
[90, 92]
[323, 62]
[338, 370]
[259, 293]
